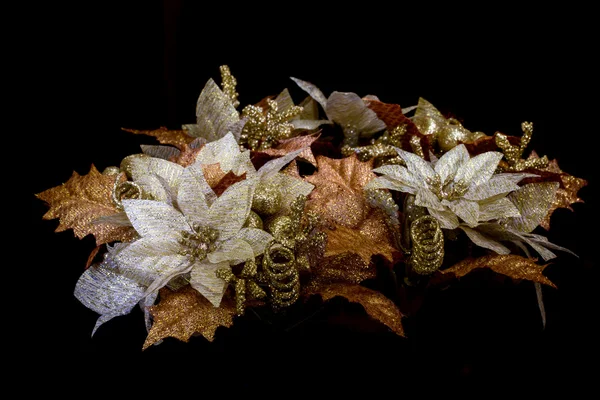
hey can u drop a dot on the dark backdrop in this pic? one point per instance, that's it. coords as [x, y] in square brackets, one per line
[143, 64]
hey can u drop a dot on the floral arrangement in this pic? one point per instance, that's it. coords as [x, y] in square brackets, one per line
[273, 204]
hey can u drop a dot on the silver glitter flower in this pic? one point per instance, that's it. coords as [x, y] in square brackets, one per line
[199, 236]
[455, 187]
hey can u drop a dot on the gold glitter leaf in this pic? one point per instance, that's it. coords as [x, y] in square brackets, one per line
[513, 266]
[185, 312]
[83, 199]
[345, 240]
[567, 193]
[375, 304]
[177, 138]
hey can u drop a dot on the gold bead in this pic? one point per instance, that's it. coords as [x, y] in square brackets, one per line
[111, 171]
[253, 221]
[267, 199]
[282, 229]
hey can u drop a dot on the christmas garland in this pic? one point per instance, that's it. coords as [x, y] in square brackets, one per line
[280, 202]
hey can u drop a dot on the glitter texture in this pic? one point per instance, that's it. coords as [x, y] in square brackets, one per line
[185, 312]
[513, 266]
[83, 199]
[177, 138]
[264, 128]
[427, 252]
[514, 154]
[228, 82]
[375, 304]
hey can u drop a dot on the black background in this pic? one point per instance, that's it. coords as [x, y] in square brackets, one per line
[142, 65]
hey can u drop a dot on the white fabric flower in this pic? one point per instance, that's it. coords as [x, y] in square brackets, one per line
[455, 186]
[227, 153]
[201, 235]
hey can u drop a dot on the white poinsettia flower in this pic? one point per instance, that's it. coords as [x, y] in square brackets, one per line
[456, 187]
[533, 201]
[227, 153]
[345, 109]
[203, 234]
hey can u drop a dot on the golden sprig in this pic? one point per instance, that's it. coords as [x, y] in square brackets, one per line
[381, 150]
[228, 82]
[263, 130]
[514, 154]
[245, 285]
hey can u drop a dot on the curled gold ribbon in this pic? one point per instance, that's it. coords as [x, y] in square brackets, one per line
[427, 245]
[279, 266]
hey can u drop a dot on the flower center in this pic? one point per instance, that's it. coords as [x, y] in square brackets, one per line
[449, 189]
[199, 243]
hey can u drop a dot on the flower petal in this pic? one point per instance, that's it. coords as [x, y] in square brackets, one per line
[214, 112]
[191, 194]
[466, 210]
[484, 241]
[149, 258]
[446, 218]
[348, 109]
[157, 187]
[229, 212]
[478, 169]
[256, 238]
[497, 209]
[106, 291]
[139, 166]
[426, 198]
[224, 151]
[153, 218]
[233, 251]
[419, 169]
[533, 202]
[495, 186]
[400, 174]
[450, 162]
[204, 279]
[312, 91]
[387, 182]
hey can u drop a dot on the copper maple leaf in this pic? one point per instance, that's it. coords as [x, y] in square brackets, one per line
[182, 313]
[375, 303]
[286, 146]
[339, 198]
[566, 194]
[187, 156]
[513, 266]
[83, 199]
[177, 138]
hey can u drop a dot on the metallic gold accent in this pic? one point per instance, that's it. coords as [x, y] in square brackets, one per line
[267, 199]
[228, 82]
[198, 244]
[253, 221]
[125, 190]
[427, 253]
[514, 154]
[245, 286]
[381, 150]
[262, 130]
[279, 267]
[111, 171]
